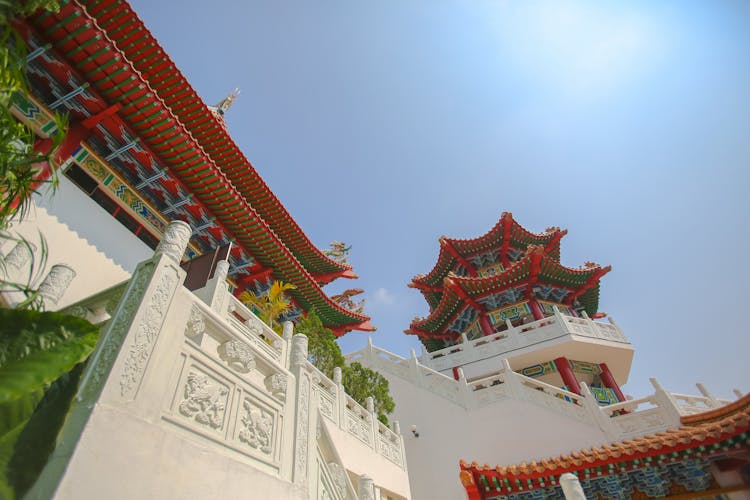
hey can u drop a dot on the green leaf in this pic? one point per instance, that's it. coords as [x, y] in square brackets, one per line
[38, 347]
[37, 440]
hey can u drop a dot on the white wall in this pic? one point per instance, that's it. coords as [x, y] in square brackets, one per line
[503, 433]
[94, 224]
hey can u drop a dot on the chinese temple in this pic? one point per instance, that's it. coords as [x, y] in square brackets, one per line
[708, 456]
[519, 364]
[145, 149]
[503, 280]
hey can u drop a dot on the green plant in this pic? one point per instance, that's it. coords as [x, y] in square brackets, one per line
[36, 349]
[360, 383]
[270, 305]
[323, 351]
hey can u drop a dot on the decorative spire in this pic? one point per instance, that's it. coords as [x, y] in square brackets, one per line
[220, 108]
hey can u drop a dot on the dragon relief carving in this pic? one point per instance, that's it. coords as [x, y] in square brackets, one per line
[147, 333]
[238, 355]
[338, 252]
[257, 430]
[195, 325]
[344, 299]
[276, 384]
[205, 400]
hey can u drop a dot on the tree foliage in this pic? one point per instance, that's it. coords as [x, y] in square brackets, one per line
[359, 382]
[270, 305]
[323, 350]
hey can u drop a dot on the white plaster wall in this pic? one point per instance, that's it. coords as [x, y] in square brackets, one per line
[92, 223]
[124, 457]
[503, 433]
[94, 270]
[359, 459]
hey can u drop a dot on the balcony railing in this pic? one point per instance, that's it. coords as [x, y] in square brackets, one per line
[657, 412]
[518, 337]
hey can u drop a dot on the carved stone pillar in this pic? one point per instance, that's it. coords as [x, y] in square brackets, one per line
[299, 349]
[56, 283]
[366, 488]
[175, 240]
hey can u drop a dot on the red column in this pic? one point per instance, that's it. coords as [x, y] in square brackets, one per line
[609, 381]
[566, 372]
[536, 309]
[486, 324]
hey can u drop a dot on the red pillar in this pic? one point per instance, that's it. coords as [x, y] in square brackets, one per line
[566, 372]
[609, 381]
[486, 324]
[536, 309]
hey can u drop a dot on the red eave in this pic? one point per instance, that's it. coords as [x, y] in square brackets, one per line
[149, 58]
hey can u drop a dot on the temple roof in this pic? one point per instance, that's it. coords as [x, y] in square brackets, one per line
[537, 266]
[147, 57]
[147, 95]
[700, 435]
[506, 233]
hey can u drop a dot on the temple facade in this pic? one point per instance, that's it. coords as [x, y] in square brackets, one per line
[143, 149]
[519, 365]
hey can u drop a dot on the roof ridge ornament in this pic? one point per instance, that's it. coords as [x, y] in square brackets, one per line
[221, 107]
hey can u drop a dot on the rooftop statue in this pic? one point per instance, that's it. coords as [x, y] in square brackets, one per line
[222, 106]
[344, 299]
[338, 252]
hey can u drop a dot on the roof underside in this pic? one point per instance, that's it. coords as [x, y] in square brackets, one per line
[128, 33]
[550, 272]
[154, 103]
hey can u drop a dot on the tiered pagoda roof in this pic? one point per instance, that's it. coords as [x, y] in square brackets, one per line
[676, 459]
[133, 105]
[529, 265]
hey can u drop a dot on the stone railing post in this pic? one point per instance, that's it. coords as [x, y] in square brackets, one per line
[56, 283]
[304, 444]
[116, 379]
[713, 402]
[425, 356]
[216, 291]
[464, 393]
[370, 406]
[416, 373]
[513, 335]
[365, 488]
[596, 413]
[666, 403]
[287, 333]
[340, 397]
[593, 330]
[515, 390]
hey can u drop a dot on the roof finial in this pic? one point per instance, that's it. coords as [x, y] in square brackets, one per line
[222, 106]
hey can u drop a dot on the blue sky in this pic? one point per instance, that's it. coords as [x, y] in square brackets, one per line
[386, 124]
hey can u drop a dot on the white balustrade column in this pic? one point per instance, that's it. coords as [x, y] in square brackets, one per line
[365, 488]
[56, 283]
[126, 372]
[571, 487]
[304, 431]
[463, 388]
[515, 390]
[287, 333]
[596, 413]
[666, 403]
[713, 402]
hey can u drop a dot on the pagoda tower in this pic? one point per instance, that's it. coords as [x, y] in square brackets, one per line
[511, 279]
